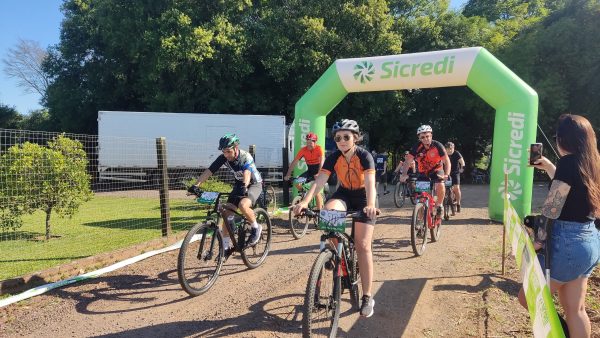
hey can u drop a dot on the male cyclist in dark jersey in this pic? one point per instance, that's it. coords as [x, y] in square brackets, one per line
[246, 189]
[355, 170]
[457, 163]
[314, 157]
[433, 163]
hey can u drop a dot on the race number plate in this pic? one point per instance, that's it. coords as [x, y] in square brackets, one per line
[448, 182]
[422, 186]
[332, 220]
[208, 197]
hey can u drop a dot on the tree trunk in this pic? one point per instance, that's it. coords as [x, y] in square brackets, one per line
[48, 213]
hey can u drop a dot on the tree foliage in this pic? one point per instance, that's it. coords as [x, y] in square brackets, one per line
[50, 178]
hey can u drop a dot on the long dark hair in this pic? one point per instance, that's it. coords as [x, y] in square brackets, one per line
[575, 134]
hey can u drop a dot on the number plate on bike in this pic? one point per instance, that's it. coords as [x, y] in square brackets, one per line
[207, 197]
[300, 180]
[332, 220]
[448, 182]
[422, 186]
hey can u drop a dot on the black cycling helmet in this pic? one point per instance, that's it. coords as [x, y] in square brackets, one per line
[228, 140]
[345, 124]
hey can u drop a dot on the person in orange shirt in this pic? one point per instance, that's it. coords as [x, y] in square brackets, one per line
[314, 157]
[355, 169]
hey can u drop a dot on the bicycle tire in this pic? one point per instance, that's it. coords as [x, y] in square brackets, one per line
[354, 279]
[322, 310]
[271, 199]
[254, 256]
[447, 204]
[298, 225]
[186, 255]
[418, 229]
[399, 194]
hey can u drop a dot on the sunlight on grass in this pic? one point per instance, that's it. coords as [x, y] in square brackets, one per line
[101, 225]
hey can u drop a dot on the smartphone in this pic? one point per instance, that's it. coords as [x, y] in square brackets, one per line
[535, 152]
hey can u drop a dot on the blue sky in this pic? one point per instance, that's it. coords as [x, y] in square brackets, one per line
[37, 20]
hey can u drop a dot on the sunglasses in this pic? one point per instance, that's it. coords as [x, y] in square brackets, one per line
[339, 138]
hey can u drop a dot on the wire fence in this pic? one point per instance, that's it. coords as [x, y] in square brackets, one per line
[70, 196]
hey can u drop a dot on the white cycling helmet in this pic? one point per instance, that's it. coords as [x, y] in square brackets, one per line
[424, 128]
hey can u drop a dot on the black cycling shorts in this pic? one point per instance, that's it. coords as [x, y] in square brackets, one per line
[355, 200]
[236, 195]
[455, 178]
[433, 176]
[310, 173]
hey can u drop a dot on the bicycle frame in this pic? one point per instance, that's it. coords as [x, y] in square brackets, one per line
[219, 208]
[427, 199]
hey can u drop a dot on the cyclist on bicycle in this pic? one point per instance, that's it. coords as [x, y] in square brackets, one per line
[314, 157]
[355, 170]
[457, 164]
[412, 168]
[380, 171]
[246, 189]
[433, 163]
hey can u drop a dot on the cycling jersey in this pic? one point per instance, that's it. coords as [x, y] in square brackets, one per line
[311, 157]
[454, 162]
[429, 160]
[243, 162]
[350, 175]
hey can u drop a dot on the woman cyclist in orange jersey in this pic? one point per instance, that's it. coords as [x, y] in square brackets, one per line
[355, 169]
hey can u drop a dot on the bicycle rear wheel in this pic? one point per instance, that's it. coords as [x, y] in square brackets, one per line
[418, 229]
[400, 194]
[322, 299]
[200, 259]
[298, 225]
[254, 256]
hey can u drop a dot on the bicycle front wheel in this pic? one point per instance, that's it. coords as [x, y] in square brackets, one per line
[322, 300]
[200, 259]
[254, 256]
[298, 225]
[418, 229]
[271, 199]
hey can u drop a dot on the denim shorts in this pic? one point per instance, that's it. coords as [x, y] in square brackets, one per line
[575, 250]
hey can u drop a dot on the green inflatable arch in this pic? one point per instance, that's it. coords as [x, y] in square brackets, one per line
[516, 106]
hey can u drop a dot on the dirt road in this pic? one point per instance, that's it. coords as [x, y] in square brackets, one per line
[454, 290]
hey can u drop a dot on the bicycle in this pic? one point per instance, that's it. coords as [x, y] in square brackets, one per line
[403, 190]
[334, 270]
[423, 217]
[299, 224]
[202, 255]
[449, 200]
[268, 198]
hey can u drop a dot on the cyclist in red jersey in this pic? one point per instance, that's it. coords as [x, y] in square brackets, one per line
[314, 157]
[433, 162]
[355, 170]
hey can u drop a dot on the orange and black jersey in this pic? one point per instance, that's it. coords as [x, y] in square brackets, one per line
[350, 174]
[429, 160]
[311, 157]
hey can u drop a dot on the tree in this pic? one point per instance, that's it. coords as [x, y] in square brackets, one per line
[52, 178]
[9, 117]
[24, 63]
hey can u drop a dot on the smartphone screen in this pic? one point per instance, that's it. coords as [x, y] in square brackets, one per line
[535, 152]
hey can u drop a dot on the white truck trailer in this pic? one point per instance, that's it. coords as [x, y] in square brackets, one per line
[127, 142]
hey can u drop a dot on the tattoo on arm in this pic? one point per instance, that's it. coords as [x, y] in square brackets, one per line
[556, 199]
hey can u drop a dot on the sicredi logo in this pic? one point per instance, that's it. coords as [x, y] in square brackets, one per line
[514, 189]
[365, 71]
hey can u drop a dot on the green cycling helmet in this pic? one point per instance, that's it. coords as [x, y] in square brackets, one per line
[228, 140]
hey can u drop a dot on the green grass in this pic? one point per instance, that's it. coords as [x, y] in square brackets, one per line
[101, 225]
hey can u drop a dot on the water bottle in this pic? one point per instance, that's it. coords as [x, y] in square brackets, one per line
[232, 223]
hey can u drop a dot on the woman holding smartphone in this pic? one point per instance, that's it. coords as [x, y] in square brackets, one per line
[573, 203]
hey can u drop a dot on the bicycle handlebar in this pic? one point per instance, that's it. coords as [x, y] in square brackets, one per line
[349, 213]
